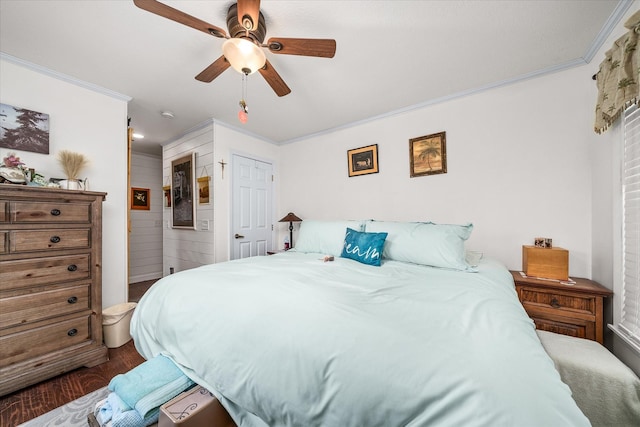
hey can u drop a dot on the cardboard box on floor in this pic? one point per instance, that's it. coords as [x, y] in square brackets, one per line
[194, 408]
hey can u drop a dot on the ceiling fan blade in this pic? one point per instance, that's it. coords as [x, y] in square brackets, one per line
[176, 15]
[214, 70]
[275, 81]
[249, 14]
[324, 48]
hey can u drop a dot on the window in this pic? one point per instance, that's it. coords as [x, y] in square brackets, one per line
[629, 325]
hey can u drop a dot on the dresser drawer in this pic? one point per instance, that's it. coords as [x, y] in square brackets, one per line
[32, 307]
[4, 246]
[3, 211]
[40, 240]
[535, 298]
[42, 340]
[53, 212]
[43, 271]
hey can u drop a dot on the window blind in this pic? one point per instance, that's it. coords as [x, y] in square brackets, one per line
[630, 314]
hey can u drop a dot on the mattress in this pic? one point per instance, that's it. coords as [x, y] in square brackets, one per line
[292, 340]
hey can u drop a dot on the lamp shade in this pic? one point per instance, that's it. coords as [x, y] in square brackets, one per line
[244, 56]
[290, 217]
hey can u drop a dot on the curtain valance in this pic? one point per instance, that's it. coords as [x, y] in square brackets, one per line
[617, 78]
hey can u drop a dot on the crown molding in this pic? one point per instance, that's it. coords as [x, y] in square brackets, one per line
[63, 77]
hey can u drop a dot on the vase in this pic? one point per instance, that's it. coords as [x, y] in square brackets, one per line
[71, 184]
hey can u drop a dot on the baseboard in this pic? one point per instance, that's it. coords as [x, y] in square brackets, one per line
[145, 277]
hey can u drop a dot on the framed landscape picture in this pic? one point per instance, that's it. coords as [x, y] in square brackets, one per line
[428, 154]
[363, 160]
[183, 192]
[25, 130]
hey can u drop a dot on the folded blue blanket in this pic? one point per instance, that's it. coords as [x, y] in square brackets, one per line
[150, 384]
[113, 412]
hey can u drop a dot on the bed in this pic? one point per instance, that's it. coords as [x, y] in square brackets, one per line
[411, 336]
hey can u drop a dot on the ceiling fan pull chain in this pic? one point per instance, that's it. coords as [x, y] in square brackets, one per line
[244, 109]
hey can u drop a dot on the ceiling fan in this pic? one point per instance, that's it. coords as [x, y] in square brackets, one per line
[243, 48]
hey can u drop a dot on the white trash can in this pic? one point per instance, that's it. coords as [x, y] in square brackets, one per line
[115, 324]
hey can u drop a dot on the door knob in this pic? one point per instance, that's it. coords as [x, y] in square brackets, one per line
[239, 236]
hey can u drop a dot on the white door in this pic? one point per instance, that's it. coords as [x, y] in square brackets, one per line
[251, 230]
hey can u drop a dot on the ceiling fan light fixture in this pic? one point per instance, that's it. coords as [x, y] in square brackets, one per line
[244, 56]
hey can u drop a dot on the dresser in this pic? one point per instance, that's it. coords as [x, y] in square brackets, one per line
[50, 283]
[574, 309]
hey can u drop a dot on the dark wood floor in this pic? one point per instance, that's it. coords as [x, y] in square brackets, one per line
[31, 402]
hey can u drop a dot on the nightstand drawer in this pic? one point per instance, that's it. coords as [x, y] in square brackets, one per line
[558, 301]
[581, 330]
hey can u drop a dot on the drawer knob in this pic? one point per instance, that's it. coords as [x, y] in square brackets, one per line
[54, 239]
[555, 303]
[72, 332]
[72, 267]
[55, 212]
[72, 300]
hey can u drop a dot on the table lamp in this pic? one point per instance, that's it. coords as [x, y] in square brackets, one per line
[290, 218]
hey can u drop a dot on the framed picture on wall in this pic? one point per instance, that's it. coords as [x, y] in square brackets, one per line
[428, 154]
[203, 190]
[167, 196]
[363, 160]
[183, 212]
[25, 130]
[140, 199]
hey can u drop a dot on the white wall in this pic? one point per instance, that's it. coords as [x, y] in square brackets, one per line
[518, 168]
[145, 238]
[214, 144]
[91, 123]
[189, 248]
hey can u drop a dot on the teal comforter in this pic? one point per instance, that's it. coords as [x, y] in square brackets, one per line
[290, 340]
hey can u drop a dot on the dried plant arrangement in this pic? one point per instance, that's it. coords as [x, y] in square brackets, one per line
[72, 163]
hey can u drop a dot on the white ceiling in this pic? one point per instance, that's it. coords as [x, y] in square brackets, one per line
[390, 56]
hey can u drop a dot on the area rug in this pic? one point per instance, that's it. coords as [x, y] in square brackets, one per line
[73, 414]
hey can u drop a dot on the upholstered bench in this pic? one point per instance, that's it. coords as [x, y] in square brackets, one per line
[605, 389]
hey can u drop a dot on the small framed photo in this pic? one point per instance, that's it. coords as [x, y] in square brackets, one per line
[167, 196]
[428, 154]
[203, 190]
[363, 160]
[140, 199]
[543, 242]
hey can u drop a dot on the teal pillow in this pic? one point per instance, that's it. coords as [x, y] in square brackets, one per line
[363, 247]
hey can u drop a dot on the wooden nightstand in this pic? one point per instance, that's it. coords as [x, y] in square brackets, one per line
[575, 310]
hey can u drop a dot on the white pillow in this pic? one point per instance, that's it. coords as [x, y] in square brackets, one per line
[324, 237]
[425, 243]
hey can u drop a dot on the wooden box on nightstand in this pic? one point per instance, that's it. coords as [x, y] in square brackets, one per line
[550, 263]
[574, 309]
